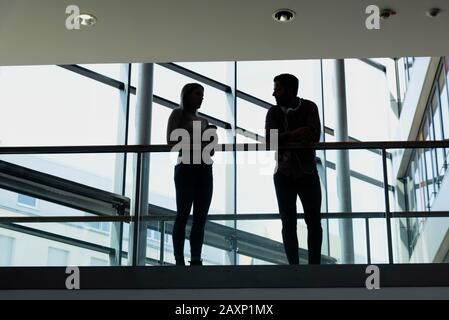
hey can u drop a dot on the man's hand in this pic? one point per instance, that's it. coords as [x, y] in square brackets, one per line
[303, 135]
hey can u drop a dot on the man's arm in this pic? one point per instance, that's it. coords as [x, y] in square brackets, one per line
[270, 123]
[309, 133]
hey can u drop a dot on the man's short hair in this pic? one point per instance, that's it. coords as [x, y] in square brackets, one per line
[288, 81]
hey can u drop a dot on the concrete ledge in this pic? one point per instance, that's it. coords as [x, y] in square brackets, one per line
[225, 277]
[220, 295]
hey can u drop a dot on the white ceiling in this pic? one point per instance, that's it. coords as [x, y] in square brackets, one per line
[33, 31]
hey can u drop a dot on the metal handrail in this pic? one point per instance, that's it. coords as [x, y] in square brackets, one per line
[223, 217]
[225, 147]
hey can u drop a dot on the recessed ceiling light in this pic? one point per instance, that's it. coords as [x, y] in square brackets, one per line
[433, 12]
[387, 13]
[87, 19]
[284, 15]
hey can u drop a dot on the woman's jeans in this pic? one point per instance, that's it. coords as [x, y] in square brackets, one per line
[194, 185]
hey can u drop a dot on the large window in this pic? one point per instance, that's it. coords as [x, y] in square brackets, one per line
[256, 78]
[54, 106]
[368, 102]
[48, 105]
[427, 168]
[405, 72]
[444, 101]
[168, 84]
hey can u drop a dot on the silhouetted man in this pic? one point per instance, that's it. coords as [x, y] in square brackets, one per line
[297, 120]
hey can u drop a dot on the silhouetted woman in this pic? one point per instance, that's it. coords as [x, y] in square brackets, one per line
[193, 182]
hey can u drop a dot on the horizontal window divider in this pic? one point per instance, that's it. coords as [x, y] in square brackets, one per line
[63, 219]
[251, 135]
[254, 100]
[420, 214]
[94, 75]
[374, 64]
[331, 132]
[148, 260]
[58, 238]
[362, 177]
[172, 105]
[197, 76]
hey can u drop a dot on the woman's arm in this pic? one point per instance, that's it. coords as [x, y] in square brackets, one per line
[174, 122]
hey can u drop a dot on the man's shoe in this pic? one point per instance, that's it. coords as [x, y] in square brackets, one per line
[196, 262]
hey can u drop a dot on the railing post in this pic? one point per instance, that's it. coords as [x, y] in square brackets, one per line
[162, 244]
[342, 166]
[143, 137]
[231, 166]
[387, 205]
[116, 236]
[368, 242]
[134, 236]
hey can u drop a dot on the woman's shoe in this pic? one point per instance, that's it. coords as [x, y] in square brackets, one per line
[180, 262]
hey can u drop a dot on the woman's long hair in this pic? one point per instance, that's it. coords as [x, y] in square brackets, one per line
[187, 90]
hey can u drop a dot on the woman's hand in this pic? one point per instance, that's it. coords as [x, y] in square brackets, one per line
[207, 142]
